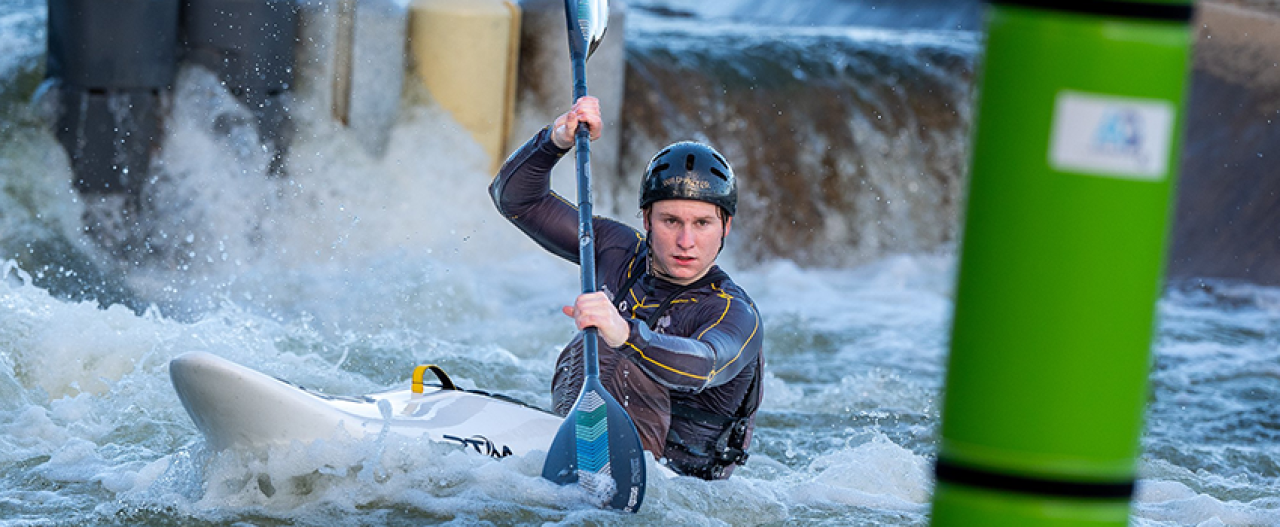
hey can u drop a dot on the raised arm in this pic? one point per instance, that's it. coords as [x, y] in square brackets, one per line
[522, 188]
[522, 193]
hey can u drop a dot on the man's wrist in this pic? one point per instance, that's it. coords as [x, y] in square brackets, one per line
[549, 144]
[554, 132]
[619, 342]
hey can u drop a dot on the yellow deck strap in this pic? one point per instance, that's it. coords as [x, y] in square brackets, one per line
[420, 371]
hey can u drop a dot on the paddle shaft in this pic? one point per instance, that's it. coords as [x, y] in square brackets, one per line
[597, 445]
[586, 234]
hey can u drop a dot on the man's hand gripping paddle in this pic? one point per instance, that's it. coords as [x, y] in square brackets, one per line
[597, 446]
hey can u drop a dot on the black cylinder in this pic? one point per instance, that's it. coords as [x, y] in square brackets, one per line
[113, 43]
[112, 60]
[249, 44]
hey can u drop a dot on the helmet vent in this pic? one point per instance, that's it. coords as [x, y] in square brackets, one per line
[661, 168]
[688, 161]
[719, 173]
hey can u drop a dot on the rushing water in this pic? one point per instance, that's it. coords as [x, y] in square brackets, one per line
[353, 269]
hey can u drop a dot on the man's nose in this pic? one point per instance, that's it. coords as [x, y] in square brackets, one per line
[685, 238]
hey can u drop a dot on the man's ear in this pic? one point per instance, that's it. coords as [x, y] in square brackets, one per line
[728, 223]
[645, 212]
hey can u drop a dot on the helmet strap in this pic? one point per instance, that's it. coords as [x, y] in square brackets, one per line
[724, 228]
[648, 259]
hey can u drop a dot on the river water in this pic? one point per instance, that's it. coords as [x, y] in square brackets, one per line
[351, 270]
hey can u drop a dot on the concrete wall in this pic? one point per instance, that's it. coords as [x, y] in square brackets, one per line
[1227, 223]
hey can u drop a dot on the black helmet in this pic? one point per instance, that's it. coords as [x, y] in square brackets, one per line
[689, 170]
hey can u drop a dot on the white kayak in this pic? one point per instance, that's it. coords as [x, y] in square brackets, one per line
[237, 406]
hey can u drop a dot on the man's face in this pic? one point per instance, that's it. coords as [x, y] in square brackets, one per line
[685, 237]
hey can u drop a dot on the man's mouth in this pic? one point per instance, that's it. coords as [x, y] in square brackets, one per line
[684, 259]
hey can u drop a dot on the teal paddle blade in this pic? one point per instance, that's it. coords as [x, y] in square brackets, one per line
[598, 448]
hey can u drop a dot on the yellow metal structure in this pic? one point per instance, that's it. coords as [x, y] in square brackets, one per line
[465, 53]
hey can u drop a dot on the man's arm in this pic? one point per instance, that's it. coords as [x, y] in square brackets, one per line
[522, 193]
[714, 355]
[522, 188]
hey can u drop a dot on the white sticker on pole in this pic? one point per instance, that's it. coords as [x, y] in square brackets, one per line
[1110, 136]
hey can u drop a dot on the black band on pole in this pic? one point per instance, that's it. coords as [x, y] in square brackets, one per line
[1136, 10]
[955, 474]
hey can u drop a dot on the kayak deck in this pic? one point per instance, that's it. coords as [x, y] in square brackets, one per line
[234, 405]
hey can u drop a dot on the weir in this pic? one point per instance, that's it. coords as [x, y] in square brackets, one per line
[852, 141]
[276, 56]
[869, 134]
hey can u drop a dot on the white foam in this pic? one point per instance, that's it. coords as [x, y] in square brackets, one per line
[1166, 502]
[878, 473]
[65, 348]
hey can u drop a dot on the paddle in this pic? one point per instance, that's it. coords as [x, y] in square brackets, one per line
[597, 446]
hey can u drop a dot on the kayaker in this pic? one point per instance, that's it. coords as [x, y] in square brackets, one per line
[680, 343]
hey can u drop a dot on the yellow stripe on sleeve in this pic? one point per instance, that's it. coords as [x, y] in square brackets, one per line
[754, 330]
[664, 366]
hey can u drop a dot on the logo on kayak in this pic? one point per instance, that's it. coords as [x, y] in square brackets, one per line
[482, 445]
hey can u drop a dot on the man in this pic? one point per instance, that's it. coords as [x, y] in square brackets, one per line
[680, 343]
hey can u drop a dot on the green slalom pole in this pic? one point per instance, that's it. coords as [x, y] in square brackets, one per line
[1074, 166]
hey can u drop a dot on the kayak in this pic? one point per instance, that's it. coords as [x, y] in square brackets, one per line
[236, 406]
